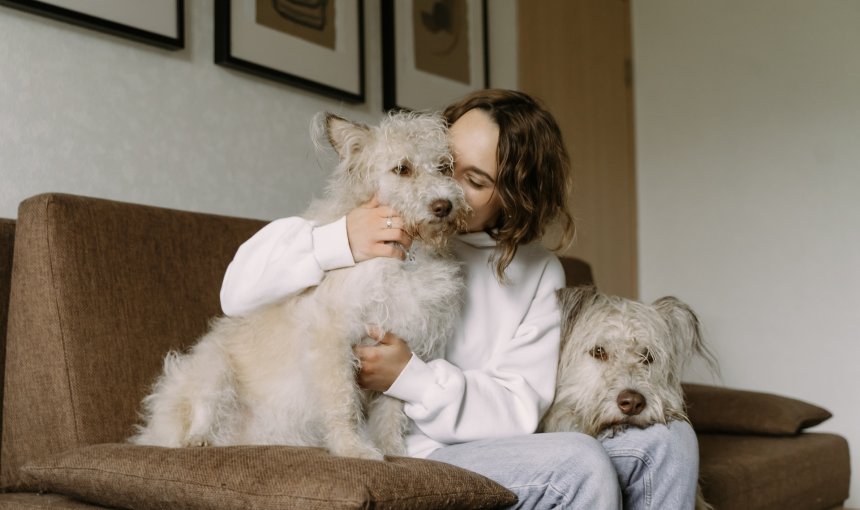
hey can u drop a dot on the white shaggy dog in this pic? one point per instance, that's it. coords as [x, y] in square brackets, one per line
[285, 374]
[621, 363]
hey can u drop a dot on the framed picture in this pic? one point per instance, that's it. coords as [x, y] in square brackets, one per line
[433, 52]
[317, 45]
[157, 22]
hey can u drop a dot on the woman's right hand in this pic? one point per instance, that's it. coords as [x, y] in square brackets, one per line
[370, 236]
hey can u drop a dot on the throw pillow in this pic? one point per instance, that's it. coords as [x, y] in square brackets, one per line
[259, 477]
[724, 410]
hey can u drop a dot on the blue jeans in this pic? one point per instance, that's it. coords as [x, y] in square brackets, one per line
[652, 468]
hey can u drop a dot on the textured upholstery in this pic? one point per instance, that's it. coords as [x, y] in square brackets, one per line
[36, 501]
[259, 477]
[100, 291]
[577, 272]
[7, 241]
[725, 410]
[802, 472]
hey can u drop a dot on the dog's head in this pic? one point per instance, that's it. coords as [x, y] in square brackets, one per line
[406, 161]
[622, 360]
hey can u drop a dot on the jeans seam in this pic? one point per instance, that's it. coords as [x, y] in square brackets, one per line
[644, 458]
[544, 486]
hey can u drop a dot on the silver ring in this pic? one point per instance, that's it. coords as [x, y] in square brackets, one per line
[388, 222]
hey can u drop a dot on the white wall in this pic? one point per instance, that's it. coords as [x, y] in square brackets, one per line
[92, 114]
[748, 157]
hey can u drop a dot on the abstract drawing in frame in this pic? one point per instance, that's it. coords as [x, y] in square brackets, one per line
[433, 52]
[317, 45]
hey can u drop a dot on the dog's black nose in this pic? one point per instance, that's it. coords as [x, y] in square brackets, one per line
[441, 208]
[630, 402]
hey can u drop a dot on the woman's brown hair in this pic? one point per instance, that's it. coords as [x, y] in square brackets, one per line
[533, 169]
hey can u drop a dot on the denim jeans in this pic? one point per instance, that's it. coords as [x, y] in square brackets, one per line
[652, 468]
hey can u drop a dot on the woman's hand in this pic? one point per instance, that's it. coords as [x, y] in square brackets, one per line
[381, 364]
[373, 230]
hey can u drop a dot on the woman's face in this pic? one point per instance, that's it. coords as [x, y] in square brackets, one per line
[474, 139]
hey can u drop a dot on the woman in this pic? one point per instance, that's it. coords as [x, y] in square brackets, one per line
[480, 406]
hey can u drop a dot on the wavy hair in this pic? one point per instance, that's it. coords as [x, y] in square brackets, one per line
[533, 170]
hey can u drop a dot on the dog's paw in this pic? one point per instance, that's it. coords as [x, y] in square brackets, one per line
[345, 443]
[358, 452]
[393, 447]
[195, 442]
[371, 454]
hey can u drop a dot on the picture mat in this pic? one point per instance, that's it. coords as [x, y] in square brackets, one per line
[339, 68]
[419, 90]
[156, 16]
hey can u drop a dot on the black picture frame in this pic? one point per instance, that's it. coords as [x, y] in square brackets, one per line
[348, 86]
[102, 24]
[404, 86]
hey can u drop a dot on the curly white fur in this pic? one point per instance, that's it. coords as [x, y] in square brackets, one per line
[285, 374]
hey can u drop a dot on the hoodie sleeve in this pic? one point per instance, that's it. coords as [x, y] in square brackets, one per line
[285, 257]
[505, 397]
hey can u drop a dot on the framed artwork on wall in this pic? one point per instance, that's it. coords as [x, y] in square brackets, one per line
[157, 22]
[317, 45]
[433, 52]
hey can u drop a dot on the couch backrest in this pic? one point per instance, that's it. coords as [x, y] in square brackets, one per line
[100, 291]
[576, 271]
[7, 241]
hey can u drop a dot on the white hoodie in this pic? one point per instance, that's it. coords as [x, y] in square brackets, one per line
[499, 371]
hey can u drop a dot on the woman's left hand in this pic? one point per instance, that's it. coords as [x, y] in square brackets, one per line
[381, 364]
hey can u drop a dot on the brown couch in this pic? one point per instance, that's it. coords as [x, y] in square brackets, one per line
[97, 291]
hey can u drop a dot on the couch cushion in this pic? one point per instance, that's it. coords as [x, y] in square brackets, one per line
[40, 501]
[263, 477]
[725, 410]
[808, 471]
[101, 290]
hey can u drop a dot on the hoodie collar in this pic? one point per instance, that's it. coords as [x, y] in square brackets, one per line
[477, 239]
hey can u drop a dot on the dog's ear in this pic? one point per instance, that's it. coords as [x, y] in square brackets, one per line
[571, 302]
[346, 137]
[684, 326]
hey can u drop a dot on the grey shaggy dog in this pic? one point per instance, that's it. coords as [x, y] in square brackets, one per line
[285, 374]
[621, 363]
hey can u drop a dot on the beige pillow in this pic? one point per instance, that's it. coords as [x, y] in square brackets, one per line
[258, 477]
[724, 410]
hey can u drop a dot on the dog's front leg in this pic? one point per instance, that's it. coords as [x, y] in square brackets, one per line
[340, 397]
[387, 424]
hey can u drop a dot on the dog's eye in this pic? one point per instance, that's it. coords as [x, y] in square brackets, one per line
[598, 352]
[402, 169]
[647, 358]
